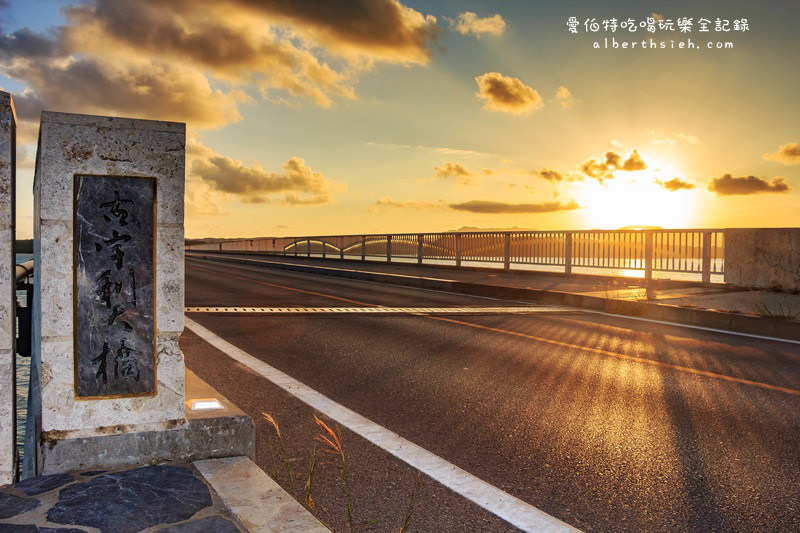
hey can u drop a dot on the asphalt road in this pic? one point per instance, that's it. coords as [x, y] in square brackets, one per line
[607, 423]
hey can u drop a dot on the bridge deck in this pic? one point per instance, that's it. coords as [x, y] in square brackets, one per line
[602, 422]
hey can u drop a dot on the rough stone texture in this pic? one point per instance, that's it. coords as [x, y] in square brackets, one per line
[72, 144]
[8, 124]
[11, 505]
[205, 434]
[257, 500]
[42, 484]
[170, 497]
[114, 502]
[765, 258]
[215, 524]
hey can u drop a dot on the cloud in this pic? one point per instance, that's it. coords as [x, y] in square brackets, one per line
[675, 138]
[190, 60]
[504, 93]
[728, 185]
[658, 17]
[391, 203]
[550, 175]
[675, 184]
[452, 169]
[486, 206]
[564, 97]
[691, 139]
[297, 183]
[468, 23]
[788, 154]
[150, 89]
[613, 161]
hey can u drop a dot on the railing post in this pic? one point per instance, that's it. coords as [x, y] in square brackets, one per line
[308, 246]
[341, 247]
[295, 247]
[458, 249]
[648, 256]
[363, 247]
[506, 251]
[388, 248]
[420, 242]
[706, 257]
[568, 253]
[323, 248]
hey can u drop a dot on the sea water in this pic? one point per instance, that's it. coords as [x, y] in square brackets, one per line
[23, 374]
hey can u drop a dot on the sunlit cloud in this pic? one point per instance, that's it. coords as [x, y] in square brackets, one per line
[390, 203]
[676, 184]
[564, 97]
[468, 23]
[296, 185]
[728, 185]
[676, 138]
[507, 94]
[464, 174]
[486, 206]
[604, 169]
[192, 61]
[788, 154]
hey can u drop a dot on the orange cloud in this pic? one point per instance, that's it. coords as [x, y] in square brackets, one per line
[613, 161]
[728, 185]
[186, 60]
[468, 23]
[564, 97]
[507, 94]
[675, 184]
[297, 183]
[486, 206]
[788, 154]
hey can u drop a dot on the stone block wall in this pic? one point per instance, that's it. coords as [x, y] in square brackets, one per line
[73, 144]
[7, 287]
[763, 258]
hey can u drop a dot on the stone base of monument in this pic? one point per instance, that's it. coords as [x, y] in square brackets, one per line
[230, 495]
[203, 434]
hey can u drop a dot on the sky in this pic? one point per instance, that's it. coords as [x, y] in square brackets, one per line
[364, 116]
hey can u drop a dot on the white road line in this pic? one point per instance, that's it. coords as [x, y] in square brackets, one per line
[498, 502]
[693, 326]
[526, 310]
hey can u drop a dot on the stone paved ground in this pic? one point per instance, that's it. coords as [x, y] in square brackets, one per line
[170, 497]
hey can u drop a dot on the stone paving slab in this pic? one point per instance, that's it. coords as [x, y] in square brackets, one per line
[172, 497]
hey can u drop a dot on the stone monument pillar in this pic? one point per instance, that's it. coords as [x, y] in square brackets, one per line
[108, 303]
[7, 288]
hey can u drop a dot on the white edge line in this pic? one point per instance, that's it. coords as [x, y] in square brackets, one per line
[498, 502]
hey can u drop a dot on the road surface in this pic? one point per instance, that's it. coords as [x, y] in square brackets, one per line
[605, 423]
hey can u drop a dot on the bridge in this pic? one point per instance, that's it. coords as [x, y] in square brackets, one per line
[478, 381]
[515, 413]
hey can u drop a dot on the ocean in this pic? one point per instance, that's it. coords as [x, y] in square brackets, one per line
[23, 375]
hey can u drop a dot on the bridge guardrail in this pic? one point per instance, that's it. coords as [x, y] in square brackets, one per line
[628, 252]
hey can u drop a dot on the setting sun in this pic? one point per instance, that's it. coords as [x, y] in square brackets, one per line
[637, 198]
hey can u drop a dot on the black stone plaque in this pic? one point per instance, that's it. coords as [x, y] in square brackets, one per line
[114, 286]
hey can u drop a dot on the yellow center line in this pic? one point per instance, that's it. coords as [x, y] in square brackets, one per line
[598, 351]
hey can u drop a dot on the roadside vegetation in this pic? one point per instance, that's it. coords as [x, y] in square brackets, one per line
[328, 443]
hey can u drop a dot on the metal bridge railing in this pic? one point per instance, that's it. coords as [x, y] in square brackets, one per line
[698, 252]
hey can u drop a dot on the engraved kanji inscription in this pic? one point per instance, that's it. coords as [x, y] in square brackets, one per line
[114, 281]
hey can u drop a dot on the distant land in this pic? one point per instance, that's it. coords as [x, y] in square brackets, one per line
[475, 229]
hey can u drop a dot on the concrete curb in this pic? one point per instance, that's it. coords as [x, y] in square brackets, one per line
[257, 501]
[754, 325]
